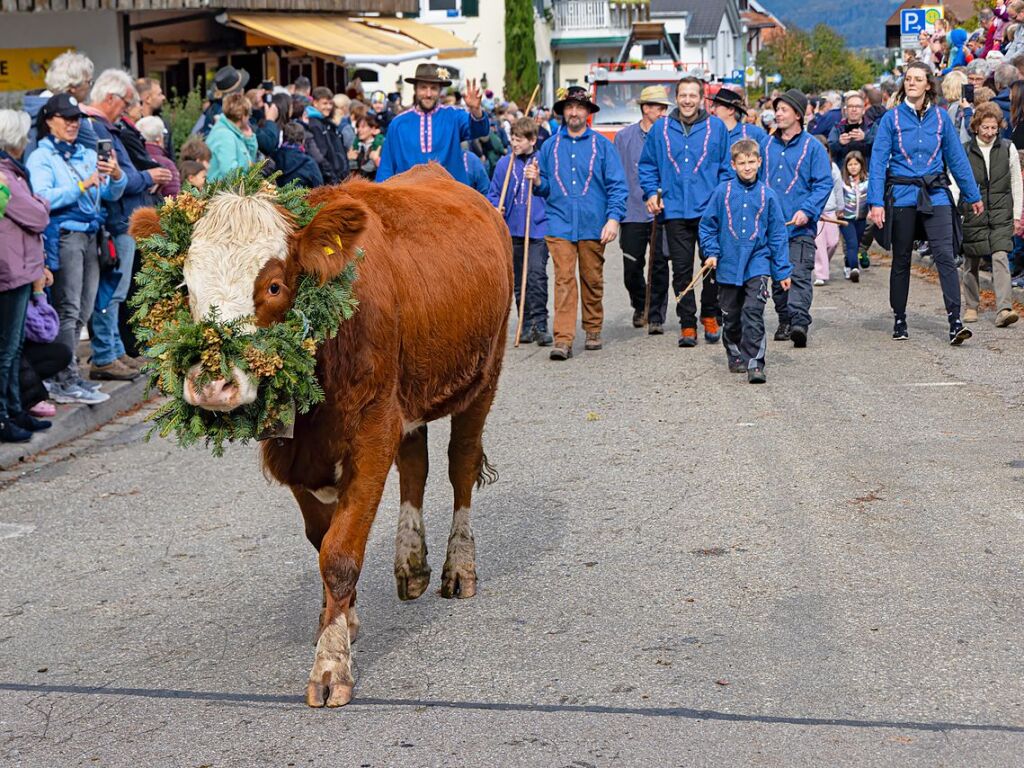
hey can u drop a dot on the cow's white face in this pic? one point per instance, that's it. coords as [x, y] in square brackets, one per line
[231, 243]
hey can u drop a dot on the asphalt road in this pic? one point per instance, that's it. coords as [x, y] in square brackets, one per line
[677, 569]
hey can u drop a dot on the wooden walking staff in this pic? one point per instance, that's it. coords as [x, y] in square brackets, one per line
[826, 219]
[526, 258]
[650, 262]
[508, 170]
[696, 279]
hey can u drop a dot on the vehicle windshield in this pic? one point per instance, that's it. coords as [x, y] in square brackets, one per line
[619, 102]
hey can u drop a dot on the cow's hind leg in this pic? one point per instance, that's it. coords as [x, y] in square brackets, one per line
[412, 572]
[467, 466]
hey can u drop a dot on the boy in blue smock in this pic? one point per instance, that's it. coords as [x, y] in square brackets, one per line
[743, 236]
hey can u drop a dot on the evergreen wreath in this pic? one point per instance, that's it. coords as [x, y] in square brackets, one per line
[281, 358]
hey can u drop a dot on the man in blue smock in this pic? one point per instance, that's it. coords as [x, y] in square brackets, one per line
[686, 156]
[581, 178]
[432, 132]
[797, 168]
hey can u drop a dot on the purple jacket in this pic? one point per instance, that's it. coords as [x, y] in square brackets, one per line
[21, 230]
[159, 155]
[41, 320]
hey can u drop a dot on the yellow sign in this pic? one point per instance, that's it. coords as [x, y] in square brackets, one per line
[23, 69]
[932, 13]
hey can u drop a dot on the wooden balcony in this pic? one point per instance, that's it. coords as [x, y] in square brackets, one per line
[595, 17]
[384, 7]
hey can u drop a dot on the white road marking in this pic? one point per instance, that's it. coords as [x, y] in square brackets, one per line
[14, 530]
[937, 384]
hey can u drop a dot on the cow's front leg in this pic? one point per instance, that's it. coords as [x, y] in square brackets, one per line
[341, 559]
[412, 572]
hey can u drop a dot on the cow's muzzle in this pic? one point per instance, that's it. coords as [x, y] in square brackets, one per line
[220, 394]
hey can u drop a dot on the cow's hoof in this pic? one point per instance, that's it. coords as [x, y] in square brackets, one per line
[330, 680]
[412, 585]
[328, 694]
[458, 582]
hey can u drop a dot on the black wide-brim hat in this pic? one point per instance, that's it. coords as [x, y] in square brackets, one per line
[729, 98]
[796, 99]
[430, 73]
[575, 94]
[229, 79]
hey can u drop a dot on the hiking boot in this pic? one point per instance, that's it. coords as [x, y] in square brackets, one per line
[30, 424]
[593, 342]
[114, 371]
[687, 337]
[561, 352]
[783, 332]
[12, 433]
[854, 275]
[133, 362]
[736, 365]
[899, 329]
[970, 315]
[712, 330]
[862, 257]
[799, 336]
[1005, 317]
[542, 337]
[655, 329]
[958, 334]
[527, 335]
[756, 376]
[638, 318]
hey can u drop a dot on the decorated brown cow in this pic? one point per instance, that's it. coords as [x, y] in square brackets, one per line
[434, 287]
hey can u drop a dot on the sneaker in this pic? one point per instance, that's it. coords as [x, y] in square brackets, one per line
[799, 336]
[542, 337]
[687, 337]
[958, 334]
[899, 329]
[561, 352]
[593, 342]
[736, 365]
[854, 275]
[638, 318]
[1006, 317]
[1018, 282]
[818, 281]
[26, 422]
[90, 386]
[113, 371]
[712, 330]
[12, 433]
[756, 376]
[846, 272]
[862, 257]
[970, 315]
[655, 329]
[783, 332]
[68, 394]
[44, 409]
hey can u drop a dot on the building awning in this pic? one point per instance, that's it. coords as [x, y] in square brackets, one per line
[342, 37]
[448, 45]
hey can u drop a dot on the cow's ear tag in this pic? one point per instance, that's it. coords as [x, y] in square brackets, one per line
[330, 251]
[283, 429]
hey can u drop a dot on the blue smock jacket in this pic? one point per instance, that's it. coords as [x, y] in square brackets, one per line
[416, 137]
[584, 184]
[908, 145]
[686, 162]
[743, 227]
[476, 172]
[801, 174]
[515, 198]
[748, 131]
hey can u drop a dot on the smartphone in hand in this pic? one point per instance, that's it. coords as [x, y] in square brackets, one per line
[104, 148]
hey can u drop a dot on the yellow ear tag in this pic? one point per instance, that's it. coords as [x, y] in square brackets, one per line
[330, 251]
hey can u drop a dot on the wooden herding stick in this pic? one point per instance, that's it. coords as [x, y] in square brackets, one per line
[696, 279]
[650, 263]
[526, 258]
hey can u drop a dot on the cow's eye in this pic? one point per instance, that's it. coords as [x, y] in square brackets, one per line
[274, 288]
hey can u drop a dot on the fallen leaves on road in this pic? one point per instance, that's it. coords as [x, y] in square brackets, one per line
[721, 682]
[591, 416]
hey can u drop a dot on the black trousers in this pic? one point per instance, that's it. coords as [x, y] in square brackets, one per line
[937, 229]
[682, 247]
[40, 361]
[743, 320]
[635, 238]
[535, 315]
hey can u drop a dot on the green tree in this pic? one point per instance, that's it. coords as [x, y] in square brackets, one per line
[815, 61]
[520, 52]
[182, 114]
